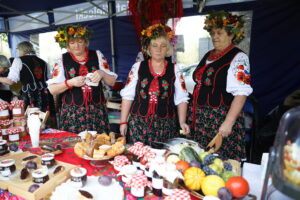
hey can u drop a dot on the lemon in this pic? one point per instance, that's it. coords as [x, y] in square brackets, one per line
[211, 184]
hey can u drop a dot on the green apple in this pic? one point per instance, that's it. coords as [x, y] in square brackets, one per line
[219, 163]
[215, 168]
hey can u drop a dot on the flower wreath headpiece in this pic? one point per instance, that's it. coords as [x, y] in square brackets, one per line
[71, 31]
[233, 24]
[153, 32]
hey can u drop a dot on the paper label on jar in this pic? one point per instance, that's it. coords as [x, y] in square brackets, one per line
[4, 132]
[14, 137]
[17, 111]
[167, 191]
[138, 192]
[1, 137]
[4, 113]
[157, 183]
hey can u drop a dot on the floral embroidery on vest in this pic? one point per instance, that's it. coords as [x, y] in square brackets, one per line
[38, 72]
[210, 71]
[165, 86]
[83, 70]
[144, 83]
[72, 72]
[94, 69]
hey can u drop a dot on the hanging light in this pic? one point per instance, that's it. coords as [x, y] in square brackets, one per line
[201, 4]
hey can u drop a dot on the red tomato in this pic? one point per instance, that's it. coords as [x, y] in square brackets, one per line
[238, 186]
[182, 165]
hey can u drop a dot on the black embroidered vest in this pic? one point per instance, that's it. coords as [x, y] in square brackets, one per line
[165, 105]
[33, 74]
[74, 96]
[214, 80]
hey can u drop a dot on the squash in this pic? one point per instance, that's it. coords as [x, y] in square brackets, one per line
[172, 158]
[193, 178]
[188, 154]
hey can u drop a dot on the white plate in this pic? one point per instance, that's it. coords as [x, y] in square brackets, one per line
[82, 134]
[66, 191]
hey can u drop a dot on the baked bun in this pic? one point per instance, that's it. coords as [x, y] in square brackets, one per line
[122, 140]
[80, 148]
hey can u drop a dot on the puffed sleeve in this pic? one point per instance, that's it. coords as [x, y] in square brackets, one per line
[181, 93]
[104, 65]
[14, 70]
[238, 76]
[57, 73]
[128, 92]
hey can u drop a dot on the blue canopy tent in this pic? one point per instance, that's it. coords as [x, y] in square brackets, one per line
[273, 55]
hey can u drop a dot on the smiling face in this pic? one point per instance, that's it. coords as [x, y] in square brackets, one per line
[158, 48]
[77, 46]
[220, 38]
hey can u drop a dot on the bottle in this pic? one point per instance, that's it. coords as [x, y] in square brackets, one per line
[157, 184]
[170, 180]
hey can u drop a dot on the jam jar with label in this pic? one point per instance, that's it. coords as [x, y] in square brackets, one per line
[3, 147]
[7, 167]
[48, 160]
[4, 110]
[78, 177]
[40, 175]
[17, 108]
[5, 124]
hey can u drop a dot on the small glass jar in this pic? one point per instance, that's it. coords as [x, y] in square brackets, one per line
[148, 173]
[170, 180]
[157, 184]
[48, 160]
[4, 111]
[7, 167]
[40, 175]
[6, 124]
[13, 134]
[78, 177]
[138, 191]
[17, 108]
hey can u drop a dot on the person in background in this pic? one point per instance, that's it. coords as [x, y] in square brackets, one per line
[6, 94]
[153, 89]
[33, 73]
[78, 77]
[222, 86]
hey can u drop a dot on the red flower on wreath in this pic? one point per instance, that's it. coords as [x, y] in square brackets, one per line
[83, 70]
[38, 72]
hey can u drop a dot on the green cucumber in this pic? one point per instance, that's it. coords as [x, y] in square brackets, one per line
[188, 154]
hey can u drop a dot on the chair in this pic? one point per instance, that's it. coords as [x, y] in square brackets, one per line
[251, 113]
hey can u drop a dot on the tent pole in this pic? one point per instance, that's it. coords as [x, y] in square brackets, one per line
[111, 27]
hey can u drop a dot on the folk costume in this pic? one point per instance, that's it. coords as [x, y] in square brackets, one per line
[155, 96]
[33, 73]
[83, 108]
[218, 79]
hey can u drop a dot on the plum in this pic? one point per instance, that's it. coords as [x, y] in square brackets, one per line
[105, 180]
[24, 173]
[195, 164]
[13, 147]
[31, 165]
[33, 188]
[224, 194]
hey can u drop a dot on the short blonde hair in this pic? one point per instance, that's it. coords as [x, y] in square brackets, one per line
[26, 47]
[169, 46]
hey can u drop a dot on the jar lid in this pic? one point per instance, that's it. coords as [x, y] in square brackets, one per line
[7, 162]
[48, 156]
[40, 173]
[78, 172]
[2, 142]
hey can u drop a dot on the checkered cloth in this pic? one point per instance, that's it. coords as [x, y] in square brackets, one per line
[139, 181]
[136, 149]
[120, 161]
[13, 130]
[149, 155]
[4, 105]
[179, 194]
[17, 103]
[6, 122]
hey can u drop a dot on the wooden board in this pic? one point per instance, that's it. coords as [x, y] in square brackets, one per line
[18, 187]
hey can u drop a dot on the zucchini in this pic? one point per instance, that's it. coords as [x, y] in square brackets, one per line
[188, 154]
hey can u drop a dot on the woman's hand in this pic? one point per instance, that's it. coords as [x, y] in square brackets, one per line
[97, 76]
[123, 129]
[77, 81]
[185, 128]
[225, 129]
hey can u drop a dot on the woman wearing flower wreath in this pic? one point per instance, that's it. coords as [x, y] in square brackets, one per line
[32, 72]
[222, 86]
[153, 88]
[78, 77]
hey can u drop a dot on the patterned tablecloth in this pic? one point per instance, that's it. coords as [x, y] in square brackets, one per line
[68, 140]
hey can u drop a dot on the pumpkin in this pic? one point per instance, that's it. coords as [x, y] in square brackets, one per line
[182, 165]
[193, 178]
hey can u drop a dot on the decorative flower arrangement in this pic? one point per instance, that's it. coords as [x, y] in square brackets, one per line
[71, 31]
[155, 31]
[233, 24]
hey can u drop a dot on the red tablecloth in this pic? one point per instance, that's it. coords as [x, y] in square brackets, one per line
[68, 140]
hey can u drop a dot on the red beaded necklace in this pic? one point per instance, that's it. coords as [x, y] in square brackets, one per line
[154, 73]
[83, 60]
[214, 56]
